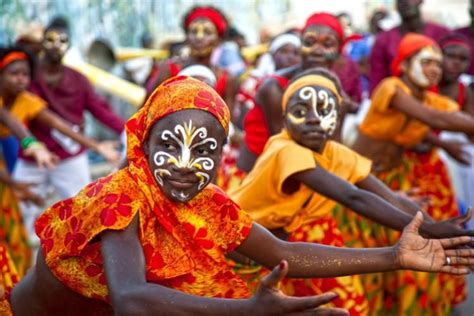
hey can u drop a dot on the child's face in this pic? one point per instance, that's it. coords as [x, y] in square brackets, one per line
[424, 68]
[202, 37]
[456, 59]
[183, 151]
[286, 56]
[311, 116]
[320, 46]
[15, 77]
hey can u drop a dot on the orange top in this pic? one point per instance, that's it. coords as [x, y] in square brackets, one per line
[183, 243]
[388, 124]
[261, 192]
[25, 108]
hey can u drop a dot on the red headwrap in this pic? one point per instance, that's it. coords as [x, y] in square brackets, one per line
[328, 20]
[409, 45]
[454, 39]
[11, 57]
[209, 13]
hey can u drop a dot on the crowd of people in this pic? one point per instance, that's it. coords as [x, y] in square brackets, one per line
[311, 180]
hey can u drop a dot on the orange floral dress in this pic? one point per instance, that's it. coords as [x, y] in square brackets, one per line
[183, 243]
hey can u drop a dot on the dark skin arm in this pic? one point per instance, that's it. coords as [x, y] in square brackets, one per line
[362, 202]
[450, 121]
[130, 293]
[52, 120]
[13, 124]
[269, 97]
[454, 148]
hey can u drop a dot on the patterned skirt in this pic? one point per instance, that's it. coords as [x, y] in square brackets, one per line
[408, 292]
[349, 288]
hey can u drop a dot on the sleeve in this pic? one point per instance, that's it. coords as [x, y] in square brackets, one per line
[232, 224]
[442, 103]
[361, 167]
[34, 106]
[100, 109]
[379, 63]
[355, 89]
[292, 159]
[383, 95]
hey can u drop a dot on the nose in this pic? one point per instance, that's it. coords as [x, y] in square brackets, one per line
[313, 119]
[183, 170]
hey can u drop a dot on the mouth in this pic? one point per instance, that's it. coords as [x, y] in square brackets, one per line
[181, 184]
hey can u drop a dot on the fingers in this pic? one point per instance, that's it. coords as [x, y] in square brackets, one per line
[308, 302]
[278, 273]
[415, 223]
[468, 252]
[322, 312]
[455, 270]
[455, 241]
[460, 220]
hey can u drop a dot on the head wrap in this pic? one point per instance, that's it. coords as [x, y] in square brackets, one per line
[283, 40]
[454, 39]
[309, 80]
[209, 13]
[199, 71]
[326, 19]
[12, 57]
[176, 94]
[409, 46]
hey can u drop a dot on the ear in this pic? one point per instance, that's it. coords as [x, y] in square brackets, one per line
[404, 66]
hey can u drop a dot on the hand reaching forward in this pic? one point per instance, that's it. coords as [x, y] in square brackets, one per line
[433, 255]
[43, 157]
[108, 150]
[269, 300]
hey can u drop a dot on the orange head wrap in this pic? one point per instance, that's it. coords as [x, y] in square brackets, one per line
[11, 57]
[326, 19]
[213, 15]
[175, 94]
[409, 46]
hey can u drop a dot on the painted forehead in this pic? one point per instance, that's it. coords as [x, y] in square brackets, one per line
[322, 93]
[318, 30]
[202, 22]
[199, 118]
[430, 52]
[56, 34]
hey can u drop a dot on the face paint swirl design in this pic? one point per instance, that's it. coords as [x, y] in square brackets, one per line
[328, 116]
[188, 137]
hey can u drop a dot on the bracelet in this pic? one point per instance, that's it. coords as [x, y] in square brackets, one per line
[27, 142]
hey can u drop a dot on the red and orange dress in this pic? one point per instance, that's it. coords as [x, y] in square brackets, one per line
[183, 243]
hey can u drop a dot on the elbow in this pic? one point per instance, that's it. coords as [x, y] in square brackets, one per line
[356, 199]
[125, 303]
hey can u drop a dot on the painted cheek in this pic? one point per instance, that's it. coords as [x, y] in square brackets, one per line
[296, 120]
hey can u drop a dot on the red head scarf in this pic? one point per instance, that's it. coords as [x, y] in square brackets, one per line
[326, 19]
[410, 45]
[454, 39]
[209, 13]
[11, 57]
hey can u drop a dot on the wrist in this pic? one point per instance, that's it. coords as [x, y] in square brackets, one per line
[27, 142]
[395, 255]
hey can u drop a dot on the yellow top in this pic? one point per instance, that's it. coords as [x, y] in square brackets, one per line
[388, 124]
[25, 108]
[261, 192]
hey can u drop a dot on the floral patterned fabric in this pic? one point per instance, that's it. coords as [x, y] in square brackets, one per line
[183, 243]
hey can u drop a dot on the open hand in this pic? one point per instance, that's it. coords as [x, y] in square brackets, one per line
[456, 150]
[42, 156]
[108, 150]
[269, 300]
[22, 192]
[430, 255]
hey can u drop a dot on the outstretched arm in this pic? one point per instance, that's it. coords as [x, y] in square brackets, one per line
[450, 121]
[311, 260]
[363, 202]
[130, 293]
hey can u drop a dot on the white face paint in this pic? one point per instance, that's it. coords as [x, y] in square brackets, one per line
[188, 137]
[327, 113]
[415, 70]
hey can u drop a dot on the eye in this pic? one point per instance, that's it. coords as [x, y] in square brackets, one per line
[202, 151]
[299, 111]
[169, 146]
